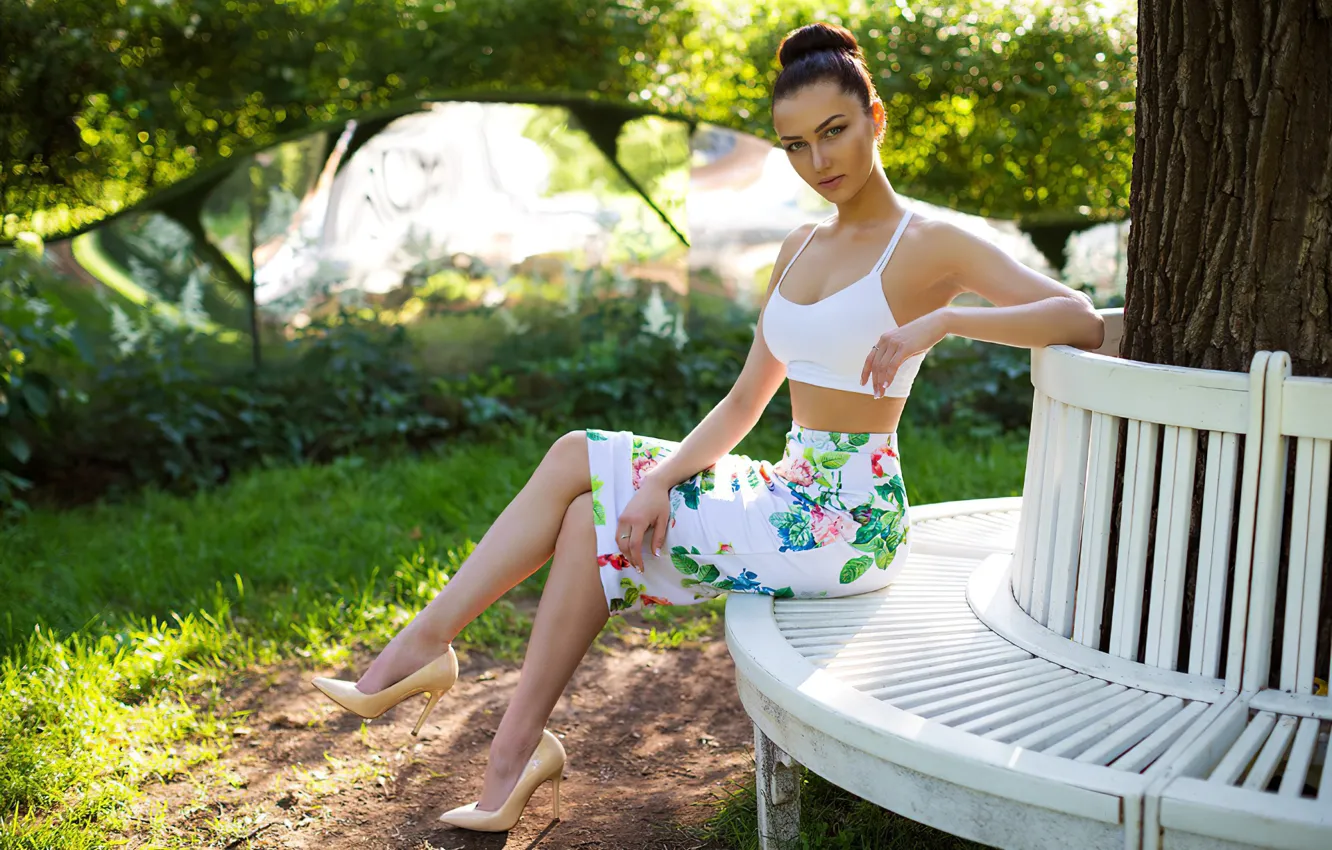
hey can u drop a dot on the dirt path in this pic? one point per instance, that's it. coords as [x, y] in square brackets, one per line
[655, 740]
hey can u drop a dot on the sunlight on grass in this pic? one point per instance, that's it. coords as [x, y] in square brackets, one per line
[123, 623]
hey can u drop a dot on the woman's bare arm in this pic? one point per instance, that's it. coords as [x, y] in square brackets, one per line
[736, 414]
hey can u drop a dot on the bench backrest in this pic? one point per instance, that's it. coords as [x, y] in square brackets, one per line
[1297, 416]
[1113, 573]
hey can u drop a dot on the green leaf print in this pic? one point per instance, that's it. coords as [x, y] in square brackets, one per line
[685, 564]
[783, 593]
[708, 573]
[596, 436]
[823, 481]
[753, 478]
[854, 569]
[858, 440]
[835, 436]
[884, 557]
[689, 489]
[707, 480]
[598, 510]
[893, 490]
[869, 531]
[833, 460]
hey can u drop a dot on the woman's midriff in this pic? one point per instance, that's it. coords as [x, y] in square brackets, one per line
[824, 409]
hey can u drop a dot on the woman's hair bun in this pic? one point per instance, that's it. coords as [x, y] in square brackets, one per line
[813, 38]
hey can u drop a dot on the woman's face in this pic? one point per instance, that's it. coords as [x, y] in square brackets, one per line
[828, 138]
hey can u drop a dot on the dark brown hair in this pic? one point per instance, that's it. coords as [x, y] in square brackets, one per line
[818, 52]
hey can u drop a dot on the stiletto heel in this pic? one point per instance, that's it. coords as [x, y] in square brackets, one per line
[545, 765]
[425, 712]
[433, 679]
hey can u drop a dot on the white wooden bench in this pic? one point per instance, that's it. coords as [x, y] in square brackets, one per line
[1039, 676]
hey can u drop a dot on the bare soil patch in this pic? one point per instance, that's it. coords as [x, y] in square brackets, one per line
[655, 739]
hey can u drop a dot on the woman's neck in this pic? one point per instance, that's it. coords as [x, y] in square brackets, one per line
[875, 202]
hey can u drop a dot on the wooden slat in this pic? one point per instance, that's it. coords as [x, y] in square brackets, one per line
[1190, 398]
[1051, 495]
[1122, 738]
[1174, 515]
[1301, 756]
[1097, 730]
[1150, 748]
[1244, 749]
[1068, 533]
[1097, 518]
[1214, 553]
[978, 661]
[1244, 525]
[1095, 694]
[1035, 703]
[1031, 496]
[1055, 732]
[1304, 582]
[1131, 574]
[1264, 767]
[1271, 495]
[927, 688]
[975, 710]
[1005, 692]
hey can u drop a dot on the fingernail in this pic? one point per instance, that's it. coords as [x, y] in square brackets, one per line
[657, 552]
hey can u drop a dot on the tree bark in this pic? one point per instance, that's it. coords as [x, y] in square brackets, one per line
[1230, 249]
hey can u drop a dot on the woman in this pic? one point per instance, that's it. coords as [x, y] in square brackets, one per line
[829, 519]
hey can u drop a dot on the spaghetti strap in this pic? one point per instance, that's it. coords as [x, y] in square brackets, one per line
[808, 239]
[888, 252]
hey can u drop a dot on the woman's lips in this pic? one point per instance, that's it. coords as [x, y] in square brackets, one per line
[833, 183]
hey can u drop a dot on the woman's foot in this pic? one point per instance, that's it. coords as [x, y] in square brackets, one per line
[508, 757]
[409, 651]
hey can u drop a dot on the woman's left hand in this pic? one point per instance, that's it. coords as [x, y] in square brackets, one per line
[898, 344]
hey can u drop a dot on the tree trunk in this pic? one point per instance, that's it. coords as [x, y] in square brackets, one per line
[1230, 250]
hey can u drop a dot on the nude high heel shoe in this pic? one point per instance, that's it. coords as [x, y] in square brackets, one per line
[433, 679]
[546, 763]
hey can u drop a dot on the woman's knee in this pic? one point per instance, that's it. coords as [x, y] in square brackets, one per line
[568, 457]
[577, 524]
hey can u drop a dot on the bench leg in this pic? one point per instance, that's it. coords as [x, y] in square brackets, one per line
[777, 781]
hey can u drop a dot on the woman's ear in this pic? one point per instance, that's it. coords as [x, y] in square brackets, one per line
[880, 117]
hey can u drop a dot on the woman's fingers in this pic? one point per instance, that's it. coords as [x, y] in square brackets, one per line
[636, 547]
[659, 532]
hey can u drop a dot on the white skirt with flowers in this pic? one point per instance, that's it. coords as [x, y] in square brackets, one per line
[828, 519]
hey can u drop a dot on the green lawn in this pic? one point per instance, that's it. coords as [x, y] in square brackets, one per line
[121, 623]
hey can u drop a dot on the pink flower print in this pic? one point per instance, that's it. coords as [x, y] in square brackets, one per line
[641, 466]
[619, 562]
[886, 450]
[798, 470]
[652, 600]
[725, 549]
[830, 527]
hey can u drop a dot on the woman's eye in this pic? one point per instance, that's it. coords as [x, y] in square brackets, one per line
[834, 130]
[793, 147]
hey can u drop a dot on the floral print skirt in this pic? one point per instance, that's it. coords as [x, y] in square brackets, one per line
[828, 519]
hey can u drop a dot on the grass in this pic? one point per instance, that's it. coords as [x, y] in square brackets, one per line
[122, 623]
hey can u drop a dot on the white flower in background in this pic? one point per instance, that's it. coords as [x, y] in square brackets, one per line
[510, 322]
[659, 321]
[493, 297]
[123, 332]
[145, 275]
[1098, 257]
[656, 319]
[192, 312]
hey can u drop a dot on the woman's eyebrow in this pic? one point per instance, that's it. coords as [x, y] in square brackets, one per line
[820, 127]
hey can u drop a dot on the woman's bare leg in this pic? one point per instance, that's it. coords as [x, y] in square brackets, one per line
[571, 615]
[514, 547]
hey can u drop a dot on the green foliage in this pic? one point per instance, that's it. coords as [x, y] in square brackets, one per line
[122, 623]
[37, 339]
[1021, 110]
[162, 414]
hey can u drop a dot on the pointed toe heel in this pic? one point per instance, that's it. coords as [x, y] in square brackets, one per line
[545, 765]
[434, 680]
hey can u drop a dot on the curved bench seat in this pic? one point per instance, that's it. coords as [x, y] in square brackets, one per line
[936, 698]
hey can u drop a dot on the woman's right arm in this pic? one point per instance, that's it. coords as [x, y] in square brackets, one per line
[735, 415]
[720, 431]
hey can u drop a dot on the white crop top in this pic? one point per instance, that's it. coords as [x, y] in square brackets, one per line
[826, 343]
